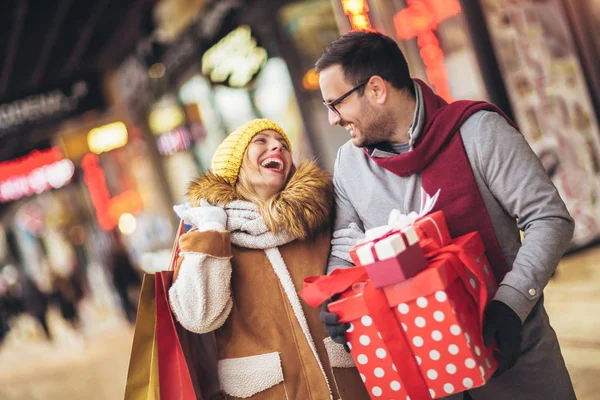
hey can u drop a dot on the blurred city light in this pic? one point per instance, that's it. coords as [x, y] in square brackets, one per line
[33, 174]
[164, 119]
[157, 71]
[358, 14]
[235, 57]
[127, 223]
[108, 137]
[310, 80]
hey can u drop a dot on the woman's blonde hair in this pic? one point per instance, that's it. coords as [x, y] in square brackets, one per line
[267, 208]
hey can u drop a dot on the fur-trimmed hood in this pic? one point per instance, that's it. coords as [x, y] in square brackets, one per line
[304, 206]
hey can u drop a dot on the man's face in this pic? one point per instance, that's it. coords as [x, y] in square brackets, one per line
[359, 113]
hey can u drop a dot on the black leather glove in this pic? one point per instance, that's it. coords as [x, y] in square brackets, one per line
[504, 325]
[333, 327]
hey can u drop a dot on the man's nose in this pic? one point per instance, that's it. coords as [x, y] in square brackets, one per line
[333, 117]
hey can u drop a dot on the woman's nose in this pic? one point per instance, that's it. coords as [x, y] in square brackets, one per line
[276, 145]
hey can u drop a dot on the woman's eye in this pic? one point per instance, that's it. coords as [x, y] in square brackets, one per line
[260, 140]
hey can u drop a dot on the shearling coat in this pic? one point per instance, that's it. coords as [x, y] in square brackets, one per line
[270, 344]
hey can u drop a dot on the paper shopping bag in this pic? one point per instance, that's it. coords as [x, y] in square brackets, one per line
[142, 376]
[175, 381]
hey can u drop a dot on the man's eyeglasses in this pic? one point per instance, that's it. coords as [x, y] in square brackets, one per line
[331, 105]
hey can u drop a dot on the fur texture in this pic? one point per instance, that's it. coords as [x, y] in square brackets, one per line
[304, 206]
[244, 377]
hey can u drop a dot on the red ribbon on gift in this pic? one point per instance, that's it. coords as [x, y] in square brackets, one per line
[422, 227]
[464, 249]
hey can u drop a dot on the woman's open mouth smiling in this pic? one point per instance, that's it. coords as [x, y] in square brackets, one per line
[273, 163]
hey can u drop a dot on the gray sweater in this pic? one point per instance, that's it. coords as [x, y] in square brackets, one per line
[516, 190]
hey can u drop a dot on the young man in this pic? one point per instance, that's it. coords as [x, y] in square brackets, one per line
[404, 138]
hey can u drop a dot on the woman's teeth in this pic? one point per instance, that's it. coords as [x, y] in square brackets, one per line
[272, 163]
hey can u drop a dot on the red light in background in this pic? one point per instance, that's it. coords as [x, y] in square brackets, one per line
[25, 165]
[420, 18]
[108, 210]
[126, 202]
[34, 173]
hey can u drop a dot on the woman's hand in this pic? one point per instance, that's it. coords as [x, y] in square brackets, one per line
[206, 217]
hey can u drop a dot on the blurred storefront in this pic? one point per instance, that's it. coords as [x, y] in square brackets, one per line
[221, 71]
[526, 57]
[584, 18]
[67, 205]
[305, 29]
[122, 185]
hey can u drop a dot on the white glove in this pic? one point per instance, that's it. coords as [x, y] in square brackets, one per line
[205, 218]
[345, 239]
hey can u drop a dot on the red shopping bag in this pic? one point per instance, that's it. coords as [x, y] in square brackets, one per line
[175, 382]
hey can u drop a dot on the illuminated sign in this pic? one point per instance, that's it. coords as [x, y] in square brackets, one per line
[107, 137]
[176, 140]
[108, 210]
[35, 173]
[234, 59]
[420, 19]
[70, 99]
[358, 14]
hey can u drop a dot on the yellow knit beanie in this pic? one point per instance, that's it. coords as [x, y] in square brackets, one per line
[227, 160]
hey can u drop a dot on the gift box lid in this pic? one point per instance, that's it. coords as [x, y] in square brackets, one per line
[434, 226]
[440, 273]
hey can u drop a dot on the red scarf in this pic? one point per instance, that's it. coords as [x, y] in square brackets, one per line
[439, 154]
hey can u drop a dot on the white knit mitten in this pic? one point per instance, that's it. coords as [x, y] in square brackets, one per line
[205, 218]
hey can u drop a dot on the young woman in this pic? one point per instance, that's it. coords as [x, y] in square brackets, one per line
[260, 227]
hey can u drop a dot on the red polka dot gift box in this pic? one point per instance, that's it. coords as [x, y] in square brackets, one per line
[420, 338]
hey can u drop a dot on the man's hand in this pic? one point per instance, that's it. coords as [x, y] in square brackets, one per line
[504, 326]
[333, 328]
[344, 239]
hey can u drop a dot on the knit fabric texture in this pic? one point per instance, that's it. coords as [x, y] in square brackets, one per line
[248, 229]
[227, 160]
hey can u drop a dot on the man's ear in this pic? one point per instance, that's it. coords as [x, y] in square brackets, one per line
[377, 89]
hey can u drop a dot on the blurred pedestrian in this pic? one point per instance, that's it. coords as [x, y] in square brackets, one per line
[125, 276]
[35, 303]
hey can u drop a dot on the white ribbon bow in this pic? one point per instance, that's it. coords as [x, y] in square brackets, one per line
[398, 221]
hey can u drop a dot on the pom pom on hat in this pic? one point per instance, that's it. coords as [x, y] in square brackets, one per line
[227, 160]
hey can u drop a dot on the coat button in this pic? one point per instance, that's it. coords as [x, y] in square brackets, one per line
[532, 292]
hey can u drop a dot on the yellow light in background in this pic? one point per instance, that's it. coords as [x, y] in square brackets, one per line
[360, 22]
[107, 137]
[127, 223]
[357, 12]
[355, 6]
[162, 120]
[310, 80]
[236, 58]
[157, 71]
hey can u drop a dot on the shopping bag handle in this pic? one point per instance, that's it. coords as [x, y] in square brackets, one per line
[175, 248]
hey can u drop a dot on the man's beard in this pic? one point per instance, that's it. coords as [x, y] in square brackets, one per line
[377, 127]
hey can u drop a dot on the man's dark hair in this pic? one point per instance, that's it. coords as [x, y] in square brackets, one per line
[364, 54]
